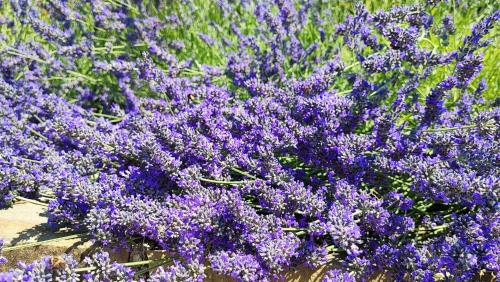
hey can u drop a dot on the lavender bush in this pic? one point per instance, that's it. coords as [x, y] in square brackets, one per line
[64, 268]
[295, 142]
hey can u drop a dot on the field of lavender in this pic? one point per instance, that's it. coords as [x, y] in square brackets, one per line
[249, 137]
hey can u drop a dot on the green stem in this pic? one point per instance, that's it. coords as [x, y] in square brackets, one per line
[439, 227]
[60, 78]
[105, 115]
[332, 248]
[455, 128]
[293, 229]
[351, 66]
[124, 4]
[243, 173]
[128, 264]
[37, 133]
[222, 181]
[89, 25]
[117, 47]
[28, 160]
[344, 92]
[14, 53]
[429, 41]
[83, 75]
[141, 272]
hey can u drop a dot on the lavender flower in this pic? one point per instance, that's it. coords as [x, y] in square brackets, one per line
[177, 272]
[474, 41]
[239, 266]
[48, 268]
[338, 275]
[105, 270]
[467, 69]
[2, 259]
[206, 38]
[447, 28]
[280, 155]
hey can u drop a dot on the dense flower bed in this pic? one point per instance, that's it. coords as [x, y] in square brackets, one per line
[288, 153]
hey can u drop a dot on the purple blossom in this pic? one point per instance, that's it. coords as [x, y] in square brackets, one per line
[240, 266]
[2, 259]
[269, 161]
[338, 275]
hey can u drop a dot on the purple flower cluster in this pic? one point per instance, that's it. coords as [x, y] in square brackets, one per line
[270, 170]
[2, 259]
[65, 268]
